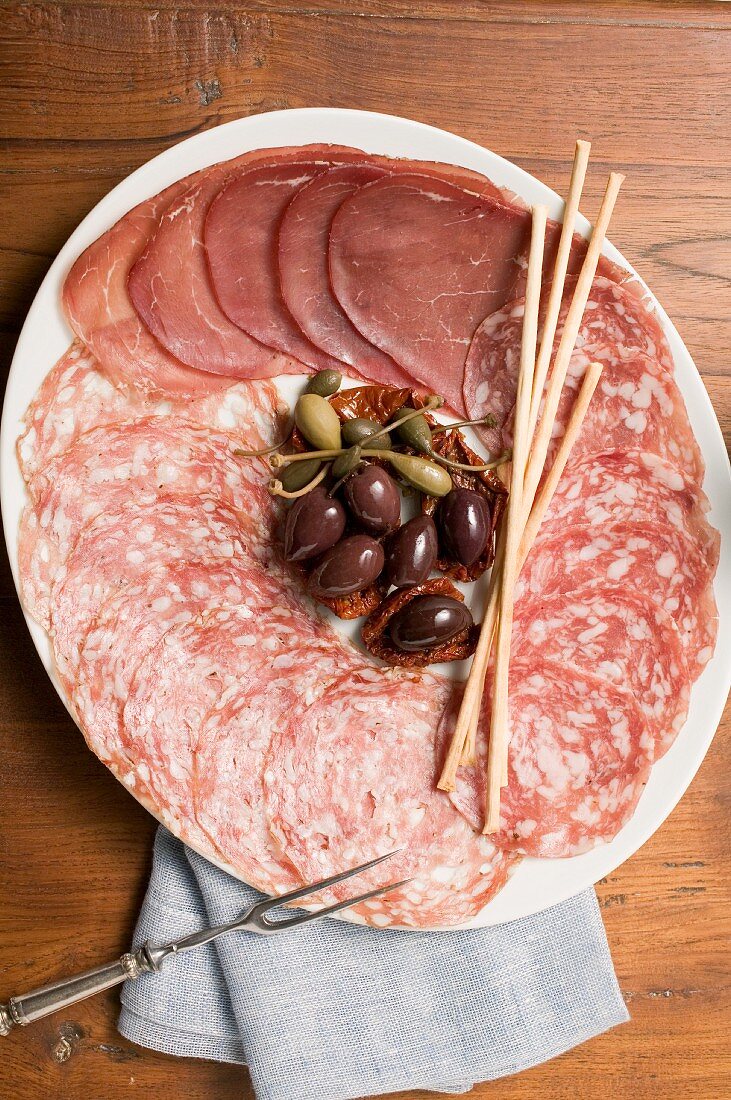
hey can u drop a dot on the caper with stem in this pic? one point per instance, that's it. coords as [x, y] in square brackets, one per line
[346, 462]
[424, 474]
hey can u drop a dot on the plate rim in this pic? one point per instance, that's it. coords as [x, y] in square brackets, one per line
[570, 875]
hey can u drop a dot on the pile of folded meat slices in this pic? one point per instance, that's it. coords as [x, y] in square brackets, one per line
[197, 668]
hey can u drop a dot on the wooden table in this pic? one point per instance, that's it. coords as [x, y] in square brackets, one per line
[92, 90]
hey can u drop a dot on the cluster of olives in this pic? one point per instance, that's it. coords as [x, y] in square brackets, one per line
[401, 555]
[377, 547]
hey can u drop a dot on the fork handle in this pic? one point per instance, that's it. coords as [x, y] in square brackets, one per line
[23, 1010]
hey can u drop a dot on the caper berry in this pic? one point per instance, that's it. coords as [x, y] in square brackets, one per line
[324, 383]
[298, 474]
[416, 433]
[360, 429]
[345, 463]
[424, 475]
[319, 423]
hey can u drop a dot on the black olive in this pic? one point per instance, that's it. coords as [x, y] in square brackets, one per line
[464, 524]
[347, 567]
[374, 499]
[314, 523]
[428, 621]
[411, 552]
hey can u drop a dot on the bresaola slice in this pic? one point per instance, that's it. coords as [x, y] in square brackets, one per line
[418, 263]
[241, 243]
[98, 307]
[305, 278]
[579, 757]
[171, 289]
[620, 635]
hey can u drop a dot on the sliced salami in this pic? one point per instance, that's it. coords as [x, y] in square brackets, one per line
[293, 661]
[122, 546]
[103, 654]
[653, 559]
[616, 326]
[180, 680]
[635, 486]
[76, 396]
[579, 758]
[353, 776]
[141, 459]
[621, 636]
[636, 406]
[305, 277]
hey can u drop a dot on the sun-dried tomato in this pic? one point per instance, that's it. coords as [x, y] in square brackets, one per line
[377, 640]
[357, 603]
[452, 445]
[370, 402]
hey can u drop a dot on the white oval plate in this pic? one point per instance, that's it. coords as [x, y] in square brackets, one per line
[536, 884]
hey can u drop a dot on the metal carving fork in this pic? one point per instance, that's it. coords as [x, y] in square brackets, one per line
[23, 1010]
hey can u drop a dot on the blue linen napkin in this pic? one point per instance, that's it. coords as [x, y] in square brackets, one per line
[336, 1011]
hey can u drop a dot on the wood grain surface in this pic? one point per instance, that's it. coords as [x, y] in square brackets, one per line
[89, 91]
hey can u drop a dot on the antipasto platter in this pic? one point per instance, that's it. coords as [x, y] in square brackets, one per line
[356, 504]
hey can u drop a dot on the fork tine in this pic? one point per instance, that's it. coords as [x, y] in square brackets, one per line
[262, 907]
[307, 918]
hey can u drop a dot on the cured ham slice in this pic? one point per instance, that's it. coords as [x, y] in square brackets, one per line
[418, 263]
[241, 241]
[621, 636]
[650, 558]
[99, 310]
[108, 466]
[635, 486]
[171, 288]
[617, 324]
[76, 396]
[305, 277]
[292, 661]
[578, 761]
[353, 776]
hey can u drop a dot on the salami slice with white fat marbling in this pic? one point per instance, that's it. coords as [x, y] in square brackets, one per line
[617, 324]
[77, 396]
[650, 558]
[619, 635]
[180, 680]
[108, 466]
[635, 486]
[106, 651]
[354, 776]
[122, 546]
[293, 661]
[579, 757]
[636, 406]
